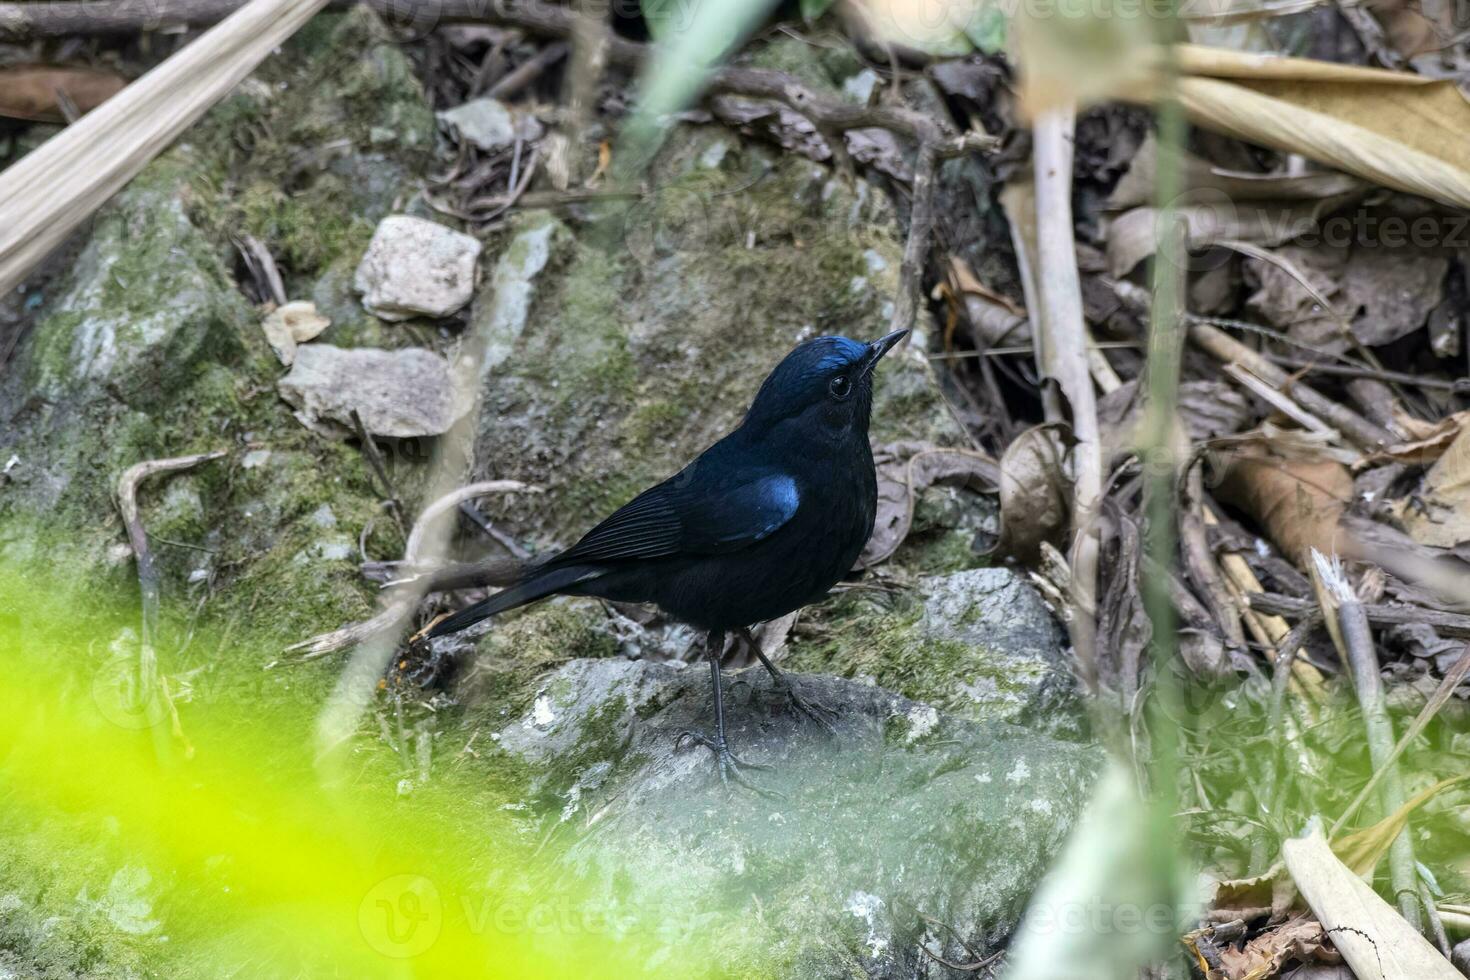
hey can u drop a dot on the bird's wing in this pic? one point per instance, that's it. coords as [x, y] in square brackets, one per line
[691, 514]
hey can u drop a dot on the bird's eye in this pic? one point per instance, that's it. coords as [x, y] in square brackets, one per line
[839, 386]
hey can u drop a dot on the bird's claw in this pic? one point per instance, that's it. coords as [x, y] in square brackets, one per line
[730, 764]
[818, 713]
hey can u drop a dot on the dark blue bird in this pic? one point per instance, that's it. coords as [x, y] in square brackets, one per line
[765, 521]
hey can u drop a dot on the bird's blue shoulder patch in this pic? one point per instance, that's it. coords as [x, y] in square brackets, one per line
[780, 498]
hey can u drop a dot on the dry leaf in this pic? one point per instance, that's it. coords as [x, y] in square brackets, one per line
[1301, 940]
[1219, 205]
[1439, 515]
[1394, 129]
[1209, 409]
[292, 324]
[36, 92]
[1035, 491]
[994, 318]
[1297, 501]
[1371, 935]
[904, 471]
[1137, 186]
[1428, 440]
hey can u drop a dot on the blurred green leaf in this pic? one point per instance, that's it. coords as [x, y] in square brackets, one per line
[663, 17]
[693, 35]
[987, 30]
[812, 9]
[1112, 903]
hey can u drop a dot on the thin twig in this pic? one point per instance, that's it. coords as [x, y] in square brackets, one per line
[401, 606]
[916, 249]
[528, 71]
[380, 469]
[127, 504]
[1061, 341]
[148, 679]
[1379, 614]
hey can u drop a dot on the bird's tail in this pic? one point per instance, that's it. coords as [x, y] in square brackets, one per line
[538, 585]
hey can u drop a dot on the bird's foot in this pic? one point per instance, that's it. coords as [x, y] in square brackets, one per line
[818, 713]
[729, 763]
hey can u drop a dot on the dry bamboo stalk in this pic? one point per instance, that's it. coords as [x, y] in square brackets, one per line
[52, 190]
[1061, 347]
[1348, 623]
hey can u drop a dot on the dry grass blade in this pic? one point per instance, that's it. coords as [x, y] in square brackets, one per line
[1374, 939]
[1363, 849]
[53, 189]
[1441, 694]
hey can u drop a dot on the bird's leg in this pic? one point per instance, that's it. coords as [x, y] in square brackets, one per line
[729, 763]
[821, 715]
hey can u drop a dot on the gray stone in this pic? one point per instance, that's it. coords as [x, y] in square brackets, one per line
[1012, 662]
[416, 267]
[491, 124]
[401, 393]
[906, 811]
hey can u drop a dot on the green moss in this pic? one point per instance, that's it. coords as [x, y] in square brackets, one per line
[523, 647]
[316, 148]
[889, 645]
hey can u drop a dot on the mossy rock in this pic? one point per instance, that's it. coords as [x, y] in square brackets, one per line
[146, 348]
[978, 643]
[906, 810]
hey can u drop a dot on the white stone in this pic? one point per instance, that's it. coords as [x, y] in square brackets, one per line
[491, 124]
[416, 268]
[401, 393]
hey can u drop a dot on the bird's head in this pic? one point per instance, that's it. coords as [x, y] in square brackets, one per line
[825, 385]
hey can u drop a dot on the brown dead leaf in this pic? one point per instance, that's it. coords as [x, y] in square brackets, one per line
[36, 92]
[1428, 441]
[1240, 897]
[904, 471]
[1209, 409]
[1297, 940]
[292, 324]
[1297, 501]
[1439, 515]
[1034, 491]
[1414, 28]
[1395, 129]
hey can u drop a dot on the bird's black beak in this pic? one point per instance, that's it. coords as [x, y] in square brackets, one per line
[879, 347]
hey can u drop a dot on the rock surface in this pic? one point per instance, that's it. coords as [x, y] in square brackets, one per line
[400, 394]
[909, 827]
[415, 267]
[491, 124]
